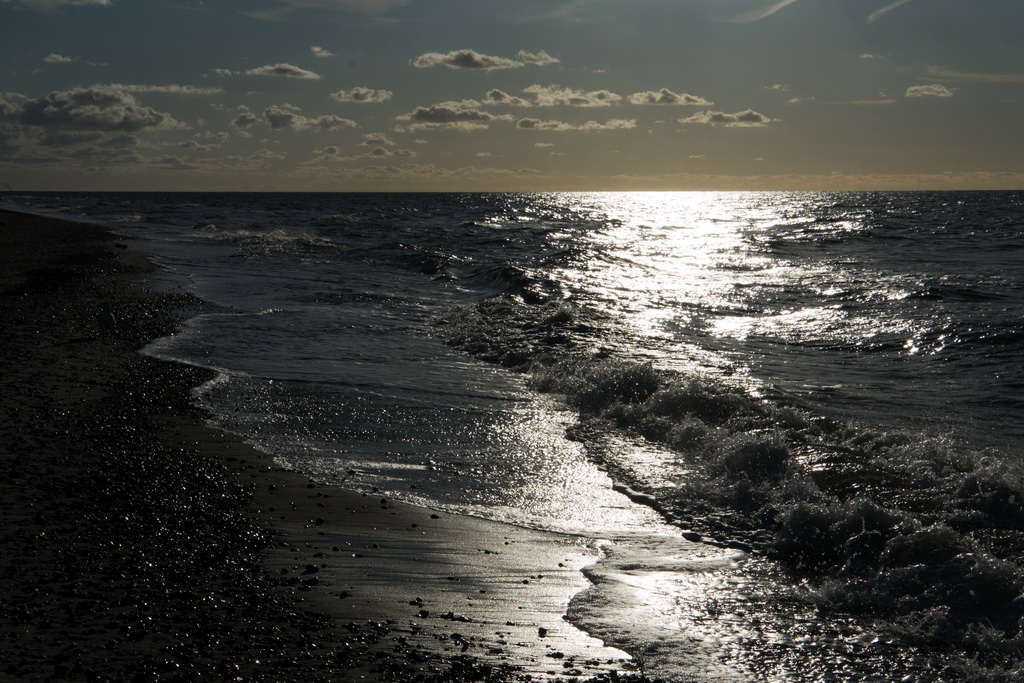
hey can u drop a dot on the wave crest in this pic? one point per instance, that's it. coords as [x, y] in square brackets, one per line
[900, 525]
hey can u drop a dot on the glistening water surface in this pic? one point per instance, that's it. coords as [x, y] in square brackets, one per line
[825, 387]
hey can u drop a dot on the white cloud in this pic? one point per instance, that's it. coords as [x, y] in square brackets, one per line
[54, 58]
[552, 95]
[460, 126]
[196, 146]
[172, 89]
[759, 14]
[380, 152]
[333, 153]
[359, 6]
[285, 70]
[69, 138]
[874, 16]
[588, 127]
[259, 160]
[51, 5]
[743, 119]
[465, 59]
[100, 108]
[173, 163]
[360, 94]
[245, 120]
[321, 52]
[666, 96]
[502, 98]
[462, 116]
[541, 58]
[282, 119]
[330, 151]
[371, 139]
[942, 72]
[929, 91]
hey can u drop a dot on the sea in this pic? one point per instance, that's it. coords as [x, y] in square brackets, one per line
[791, 421]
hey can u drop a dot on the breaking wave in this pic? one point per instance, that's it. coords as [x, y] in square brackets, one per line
[908, 527]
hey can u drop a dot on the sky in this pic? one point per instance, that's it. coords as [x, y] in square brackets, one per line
[511, 95]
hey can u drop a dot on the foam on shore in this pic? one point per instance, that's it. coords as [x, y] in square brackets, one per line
[138, 542]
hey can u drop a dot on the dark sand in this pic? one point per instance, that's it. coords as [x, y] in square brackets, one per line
[137, 543]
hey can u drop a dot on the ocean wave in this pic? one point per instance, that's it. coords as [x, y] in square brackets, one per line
[417, 259]
[261, 239]
[904, 526]
[336, 219]
[510, 280]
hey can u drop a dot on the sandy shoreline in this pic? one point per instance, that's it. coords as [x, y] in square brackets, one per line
[139, 544]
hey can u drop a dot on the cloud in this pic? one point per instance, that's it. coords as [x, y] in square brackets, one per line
[329, 152]
[285, 70]
[880, 101]
[364, 95]
[502, 98]
[123, 140]
[874, 16]
[53, 5]
[69, 138]
[245, 120]
[943, 72]
[541, 58]
[195, 146]
[371, 139]
[929, 91]
[448, 112]
[334, 153]
[380, 152]
[465, 59]
[553, 95]
[748, 118]
[358, 6]
[282, 119]
[666, 96]
[759, 14]
[261, 159]
[321, 52]
[588, 127]
[454, 115]
[100, 108]
[54, 58]
[173, 163]
[172, 89]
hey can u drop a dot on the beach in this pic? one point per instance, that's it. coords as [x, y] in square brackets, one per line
[400, 437]
[139, 543]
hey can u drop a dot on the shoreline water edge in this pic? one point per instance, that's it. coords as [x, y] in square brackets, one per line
[137, 543]
[508, 437]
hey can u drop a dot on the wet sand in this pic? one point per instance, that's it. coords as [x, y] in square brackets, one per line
[137, 543]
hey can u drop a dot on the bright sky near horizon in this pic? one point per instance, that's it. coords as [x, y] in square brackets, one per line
[451, 95]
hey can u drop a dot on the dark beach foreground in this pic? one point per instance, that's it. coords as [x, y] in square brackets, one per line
[137, 543]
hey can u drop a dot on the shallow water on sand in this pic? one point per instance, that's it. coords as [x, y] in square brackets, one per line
[824, 386]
